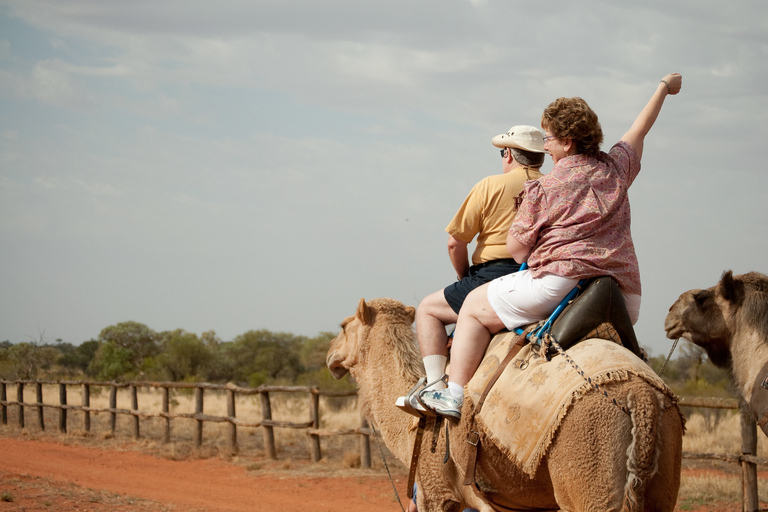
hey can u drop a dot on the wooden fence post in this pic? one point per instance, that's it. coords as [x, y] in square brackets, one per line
[20, 400]
[112, 405]
[748, 469]
[231, 414]
[266, 417]
[166, 409]
[365, 445]
[63, 410]
[3, 407]
[85, 398]
[314, 417]
[199, 422]
[40, 412]
[135, 408]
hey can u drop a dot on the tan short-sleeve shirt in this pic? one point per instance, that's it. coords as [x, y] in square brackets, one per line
[488, 212]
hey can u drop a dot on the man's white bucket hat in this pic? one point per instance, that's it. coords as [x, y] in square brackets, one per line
[521, 137]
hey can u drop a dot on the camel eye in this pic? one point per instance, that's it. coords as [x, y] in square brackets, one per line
[701, 297]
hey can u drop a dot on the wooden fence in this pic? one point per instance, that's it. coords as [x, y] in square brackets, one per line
[267, 424]
[747, 459]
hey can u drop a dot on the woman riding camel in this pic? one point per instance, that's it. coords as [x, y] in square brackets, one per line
[574, 223]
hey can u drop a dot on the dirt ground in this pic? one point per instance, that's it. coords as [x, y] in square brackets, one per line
[47, 476]
[39, 475]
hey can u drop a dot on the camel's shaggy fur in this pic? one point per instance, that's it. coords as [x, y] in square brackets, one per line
[601, 458]
[730, 321]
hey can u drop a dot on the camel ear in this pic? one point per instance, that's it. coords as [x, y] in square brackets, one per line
[731, 289]
[410, 311]
[364, 313]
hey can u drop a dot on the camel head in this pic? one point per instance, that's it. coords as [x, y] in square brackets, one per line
[710, 318]
[349, 349]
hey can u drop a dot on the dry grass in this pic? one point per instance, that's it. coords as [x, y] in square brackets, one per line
[722, 435]
[706, 490]
[711, 488]
[708, 482]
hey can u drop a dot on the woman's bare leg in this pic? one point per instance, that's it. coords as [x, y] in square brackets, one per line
[476, 325]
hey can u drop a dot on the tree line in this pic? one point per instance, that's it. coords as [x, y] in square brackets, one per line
[132, 351]
[691, 373]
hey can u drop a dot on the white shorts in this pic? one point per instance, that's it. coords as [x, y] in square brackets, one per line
[632, 301]
[520, 299]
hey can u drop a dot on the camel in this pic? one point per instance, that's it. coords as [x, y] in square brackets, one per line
[730, 321]
[601, 458]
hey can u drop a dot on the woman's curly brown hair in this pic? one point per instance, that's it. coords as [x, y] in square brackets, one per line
[571, 118]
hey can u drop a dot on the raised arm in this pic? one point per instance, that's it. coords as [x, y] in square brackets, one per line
[670, 84]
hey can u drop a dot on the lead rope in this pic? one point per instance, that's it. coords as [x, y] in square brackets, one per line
[384, 460]
[670, 357]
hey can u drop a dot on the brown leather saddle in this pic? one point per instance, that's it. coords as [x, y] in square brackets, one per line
[600, 303]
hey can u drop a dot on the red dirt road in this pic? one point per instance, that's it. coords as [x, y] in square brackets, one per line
[40, 475]
[193, 485]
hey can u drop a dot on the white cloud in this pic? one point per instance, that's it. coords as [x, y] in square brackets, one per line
[46, 182]
[99, 189]
[50, 84]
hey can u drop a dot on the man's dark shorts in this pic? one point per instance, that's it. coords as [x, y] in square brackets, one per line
[478, 275]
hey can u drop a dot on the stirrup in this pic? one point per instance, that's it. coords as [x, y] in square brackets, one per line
[410, 409]
[406, 404]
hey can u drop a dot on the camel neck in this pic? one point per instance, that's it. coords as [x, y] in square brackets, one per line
[749, 355]
[380, 388]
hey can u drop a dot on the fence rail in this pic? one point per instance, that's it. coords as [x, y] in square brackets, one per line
[747, 459]
[267, 424]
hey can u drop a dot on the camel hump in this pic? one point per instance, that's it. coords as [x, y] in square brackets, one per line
[599, 307]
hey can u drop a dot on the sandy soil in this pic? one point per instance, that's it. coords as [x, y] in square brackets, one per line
[42, 475]
[39, 475]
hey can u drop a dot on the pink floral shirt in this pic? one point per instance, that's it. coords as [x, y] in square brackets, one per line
[577, 218]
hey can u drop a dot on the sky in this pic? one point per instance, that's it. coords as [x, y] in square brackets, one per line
[239, 165]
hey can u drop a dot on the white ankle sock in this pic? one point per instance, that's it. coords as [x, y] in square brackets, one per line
[435, 366]
[456, 390]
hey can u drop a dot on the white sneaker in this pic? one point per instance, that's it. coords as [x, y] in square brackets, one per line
[442, 402]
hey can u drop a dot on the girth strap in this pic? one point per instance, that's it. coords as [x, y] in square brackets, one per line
[415, 455]
[436, 433]
[474, 436]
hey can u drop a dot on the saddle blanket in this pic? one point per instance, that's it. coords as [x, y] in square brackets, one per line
[523, 410]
